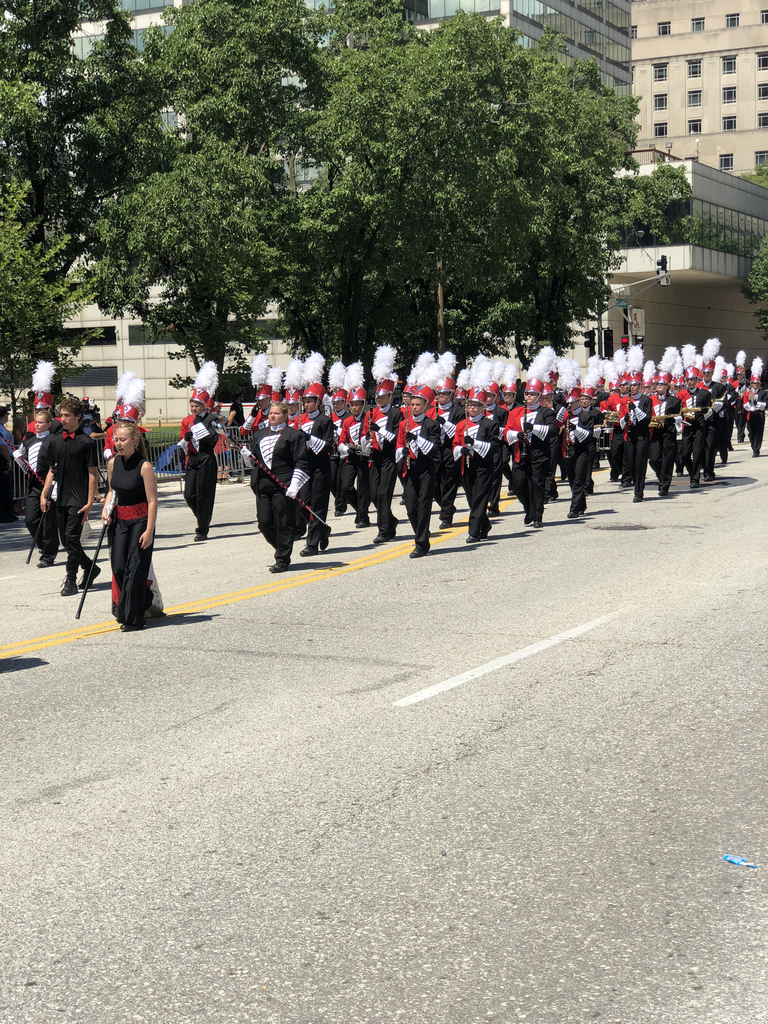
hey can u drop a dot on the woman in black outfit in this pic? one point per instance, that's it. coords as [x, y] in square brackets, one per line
[133, 487]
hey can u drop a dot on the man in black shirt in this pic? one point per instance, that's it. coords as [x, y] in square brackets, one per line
[72, 470]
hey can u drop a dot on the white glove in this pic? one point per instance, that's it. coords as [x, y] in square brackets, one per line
[292, 491]
[718, 405]
[708, 414]
[679, 422]
[247, 425]
[184, 445]
[107, 454]
[343, 449]
[399, 454]
[597, 431]
[18, 454]
[248, 457]
[573, 437]
[457, 453]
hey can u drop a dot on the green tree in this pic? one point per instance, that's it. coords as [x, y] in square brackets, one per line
[193, 249]
[759, 176]
[35, 300]
[756, 288]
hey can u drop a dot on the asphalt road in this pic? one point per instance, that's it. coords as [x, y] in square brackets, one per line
[238, 815]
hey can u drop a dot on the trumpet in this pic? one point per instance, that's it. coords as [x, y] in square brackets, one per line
[611, 417]
[658, 421]
[691, 410]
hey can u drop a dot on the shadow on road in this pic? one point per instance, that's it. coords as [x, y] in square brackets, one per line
[19, 664]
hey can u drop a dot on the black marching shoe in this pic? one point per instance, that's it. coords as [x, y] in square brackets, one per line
[636, 498]
[200, 537]
[70, 587]
[418, 553]
[537, 524]
[278, 567]
[307, 551]
[362, 524]
[94, 573]
[45, 563]
[573, 515]
[129, 627]
[472, 540]
[380, 538]
[339, 511]
[446, 524]
[755, 455]
[663, 491]
[694, 484]
[325, 540]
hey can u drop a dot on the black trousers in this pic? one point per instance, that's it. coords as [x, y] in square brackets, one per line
[755, 428]
[355, 484]
[478, 481]
[692, 452]
[726, 433]
[70, 530]
[616, 454]
[6, 493]
[581, 468]
[276, 516]
[529, 478]
[337, 486]
[555, 448]
[418, 494]
[741, 425]
[47, 539]
[200, 488]
[711, 444]
[316, 493]
[130, 568]
[636, 449]
[447, 483]
[661, 456]
[382, 477]
[498, 470]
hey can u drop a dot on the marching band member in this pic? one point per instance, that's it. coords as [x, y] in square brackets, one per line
[712, 426]
[448, 414]
[509, 394]
[740, 384]
[355, 466]
[199, 433]
[636, 423]
[418, 451]
[318, 429]
[666, 411]
[380, 434]
[293, 392]
[473, 445]
[340, 411]
[697, 401]
[583, 422]
[498, 413]
[257, 420]
[278, 457]
[537, 423]
[31, 457]
[754, 406]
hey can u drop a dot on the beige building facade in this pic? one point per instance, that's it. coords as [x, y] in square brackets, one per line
[700, 70]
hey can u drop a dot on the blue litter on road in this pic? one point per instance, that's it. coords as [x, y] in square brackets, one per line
[738, 860]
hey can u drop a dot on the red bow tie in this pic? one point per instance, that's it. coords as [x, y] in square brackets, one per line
[68, 437]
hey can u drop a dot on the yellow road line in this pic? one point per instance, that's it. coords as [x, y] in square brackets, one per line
[216, 601]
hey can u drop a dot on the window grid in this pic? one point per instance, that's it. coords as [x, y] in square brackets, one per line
[633, 31]
[664, 28]
[694, 127]
[697, 24]
[694, 98]
[660, 101]
[660, 130]
[729, 65]
[761, 157]
[729, 95]
[731, 21]
[762, 91]
[729, 124]
[726, 161]
[764, 17]
[659, 72]
[694, 69]
[762, 62]
[762, 120]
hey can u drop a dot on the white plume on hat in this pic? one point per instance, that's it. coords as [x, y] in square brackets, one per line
[608, 369]
[711, 348]
[122, 384]
[569, 373]
[757, 367]
[384, 363]
[592, 377]
[480, 375]
[619, 363]
[548, 358]
[354, 377]
[509, 377]
[635, 359]
[42, 379]
[336, 376]
[595, 364]
[431, 376]
[719, 368]
[699, 362]
[689, 356]
[312, 369]
[447, 364]
[649, 371]
[497, 370]
[741, 358]
[134, 393]
[541, 365]
[275, 378]
[462, 381]
[668, 361]
[730, 369]
[425, 360]
[207, 378]
[293, 375]
[259, 369]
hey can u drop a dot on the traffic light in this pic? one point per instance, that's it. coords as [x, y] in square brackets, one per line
[589, 342]
[624, 342]
[662, 270]
[608, 343]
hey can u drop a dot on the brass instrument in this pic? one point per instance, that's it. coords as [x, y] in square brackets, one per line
[658, 421]
[610, 418]
[691, 410]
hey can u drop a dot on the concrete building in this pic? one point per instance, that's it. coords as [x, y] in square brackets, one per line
[707, 271]
[701, 72]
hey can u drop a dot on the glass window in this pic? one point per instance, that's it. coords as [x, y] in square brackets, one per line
[617, 53]
[660, 102]
[660, 130]
[762, 91]
[729, 95]
[762, 62]
[697, 24]
[137, 334]
[729, 65]
[694, 98]
[762, 120]
[659, 72]
[764, 17]
[694, 69]
[633, 32]
[694, 127]
[664, 28]
[731, 21]
[729, 124]
[761, 157]
[726, 161]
